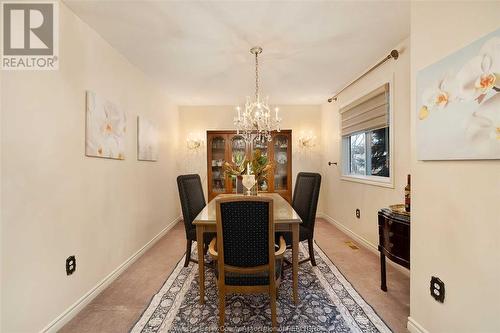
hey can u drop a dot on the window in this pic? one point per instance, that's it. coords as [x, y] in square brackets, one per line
[365, 138]
[368, 153]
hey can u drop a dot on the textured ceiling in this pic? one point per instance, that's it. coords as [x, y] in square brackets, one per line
[199, 51]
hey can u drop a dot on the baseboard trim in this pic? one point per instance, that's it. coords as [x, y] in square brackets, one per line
[67, 315]
[373, 248]
[362, 241]
[415, 327]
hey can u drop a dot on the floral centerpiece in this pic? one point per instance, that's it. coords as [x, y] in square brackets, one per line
[258, 166]
[237, 168]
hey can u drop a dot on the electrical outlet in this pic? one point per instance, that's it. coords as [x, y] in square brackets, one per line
[70, 265]
[358, 213]
[437, 289]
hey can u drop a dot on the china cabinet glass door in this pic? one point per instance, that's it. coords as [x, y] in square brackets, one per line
[281, 156]
[238, 155]
[218, 153]
[263, 184]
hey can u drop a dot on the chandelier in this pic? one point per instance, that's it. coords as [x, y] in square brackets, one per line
[257, 118]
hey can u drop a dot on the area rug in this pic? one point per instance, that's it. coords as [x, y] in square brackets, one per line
[328, 303]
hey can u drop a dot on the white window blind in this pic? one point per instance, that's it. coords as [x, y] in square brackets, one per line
[368, 112]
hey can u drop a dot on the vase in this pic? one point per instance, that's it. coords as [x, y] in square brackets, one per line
[249, 183]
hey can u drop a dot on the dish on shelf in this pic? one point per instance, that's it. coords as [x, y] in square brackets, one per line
[281, 144]
[263, 186]
[239, 143]
[217, 163]
[281, 158]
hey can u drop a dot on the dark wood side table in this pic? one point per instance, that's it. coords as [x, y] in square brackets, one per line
[394, 240]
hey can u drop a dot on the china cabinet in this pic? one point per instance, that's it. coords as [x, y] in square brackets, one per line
[228, 146]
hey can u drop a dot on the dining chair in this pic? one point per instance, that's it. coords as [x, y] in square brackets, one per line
[192, 202]
[247, 260]
[305, 203]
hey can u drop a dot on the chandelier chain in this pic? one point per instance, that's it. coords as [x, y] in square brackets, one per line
[256, 76]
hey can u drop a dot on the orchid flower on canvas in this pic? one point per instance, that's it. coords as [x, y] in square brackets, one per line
[481, 74]
[475, 79]
[106, 127]
[492, 49]
[483, 129]
[435, 97]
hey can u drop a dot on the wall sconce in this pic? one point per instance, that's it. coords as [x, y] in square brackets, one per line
[194, 141]
[307, 140]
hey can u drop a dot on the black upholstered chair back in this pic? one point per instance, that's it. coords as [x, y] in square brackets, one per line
[245, 233]
[192, 198]
[305, 197]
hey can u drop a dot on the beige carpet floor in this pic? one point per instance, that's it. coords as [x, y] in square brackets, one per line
[118, 307]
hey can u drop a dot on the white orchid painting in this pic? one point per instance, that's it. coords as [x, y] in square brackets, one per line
[147, 140]
[105, 128]
[458, 104]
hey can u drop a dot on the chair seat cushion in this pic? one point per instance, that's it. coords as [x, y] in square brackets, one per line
[304, 234]
[256, 279]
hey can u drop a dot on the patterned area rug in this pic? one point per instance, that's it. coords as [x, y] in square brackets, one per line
[328, 303]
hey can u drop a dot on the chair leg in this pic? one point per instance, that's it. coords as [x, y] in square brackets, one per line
[273, 309]
[310, 242]
[222, 310]
[188, 252]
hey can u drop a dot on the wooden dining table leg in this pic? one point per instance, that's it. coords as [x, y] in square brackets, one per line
[295, 262]
[201, 261]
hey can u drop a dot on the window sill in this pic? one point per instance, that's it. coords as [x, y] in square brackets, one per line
[370, 180]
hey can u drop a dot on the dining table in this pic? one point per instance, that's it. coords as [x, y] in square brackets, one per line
[285, 220]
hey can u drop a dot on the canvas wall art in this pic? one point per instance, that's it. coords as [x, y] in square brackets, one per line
[458, 104]
[147, 140]
[106, 126]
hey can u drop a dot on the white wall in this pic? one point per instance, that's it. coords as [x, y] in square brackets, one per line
[298, 118]
[55, 201]
[456, 211]
[341, 198]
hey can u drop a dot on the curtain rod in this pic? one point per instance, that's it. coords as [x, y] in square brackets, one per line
[394, 55]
